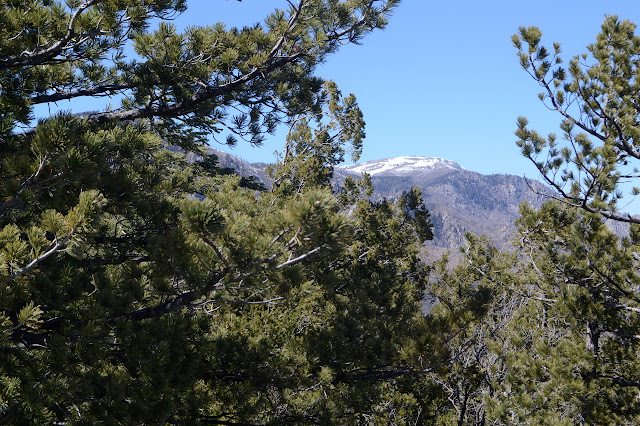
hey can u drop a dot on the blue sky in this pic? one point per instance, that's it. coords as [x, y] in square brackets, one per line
[442, 79]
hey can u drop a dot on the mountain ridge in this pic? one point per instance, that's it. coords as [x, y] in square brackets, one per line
[459, 200]
[402, 164]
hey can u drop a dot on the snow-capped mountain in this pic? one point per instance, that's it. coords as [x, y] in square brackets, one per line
[459, 200]
[401, 165]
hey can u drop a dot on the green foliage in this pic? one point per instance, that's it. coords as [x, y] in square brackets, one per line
[595, 97]
[584, 349]
[544, 336]
[138, 287]
[585, 355]
[312, 152]
[476, 306]
[548, 335]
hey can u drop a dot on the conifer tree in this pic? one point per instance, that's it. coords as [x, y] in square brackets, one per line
[596, 99]
[545, 335]
[473, 318]
[591, 277]
[567, 352]
[578, 355]
[141, 288]
[549, 334]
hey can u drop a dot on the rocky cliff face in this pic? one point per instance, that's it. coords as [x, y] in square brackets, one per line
[242, 167]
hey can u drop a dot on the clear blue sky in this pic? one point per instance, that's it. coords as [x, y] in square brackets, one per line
[442, 79]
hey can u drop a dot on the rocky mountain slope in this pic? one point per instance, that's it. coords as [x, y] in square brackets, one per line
[459, 200]
[242, 167]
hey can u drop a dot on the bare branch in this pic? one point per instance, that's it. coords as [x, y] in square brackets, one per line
[299, 258]
[95, 91]
[54, 248]
[215, 248]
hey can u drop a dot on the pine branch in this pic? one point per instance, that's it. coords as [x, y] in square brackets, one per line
[106, 89]
[545, 85]
[33, 182]
[187, 105]
[177, 303]
[379, 373]
[299, 258]
[38, 57]
[581, 203]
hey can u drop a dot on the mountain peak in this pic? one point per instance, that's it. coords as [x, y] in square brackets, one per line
[402, 165]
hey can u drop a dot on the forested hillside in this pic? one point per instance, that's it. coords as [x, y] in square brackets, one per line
[143, 283]
[460, 201]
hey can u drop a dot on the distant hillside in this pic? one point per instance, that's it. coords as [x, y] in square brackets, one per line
[459, 200]
[242, 167]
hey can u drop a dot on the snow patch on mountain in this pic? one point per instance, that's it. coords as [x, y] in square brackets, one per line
[402, 165]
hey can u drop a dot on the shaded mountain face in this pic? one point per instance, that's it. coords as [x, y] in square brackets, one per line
[243, 168]
[459, 200]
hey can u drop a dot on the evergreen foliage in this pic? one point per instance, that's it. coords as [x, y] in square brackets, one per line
[141, 288]
[590, 288]
[141, 283]
[596, 98]
[548, 335]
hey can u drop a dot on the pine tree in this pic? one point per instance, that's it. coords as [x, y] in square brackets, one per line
[590, 288]
[566, 350]
[548, 334]
[139, 287]
[596, 98]
[578, 358]
[544, 335]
